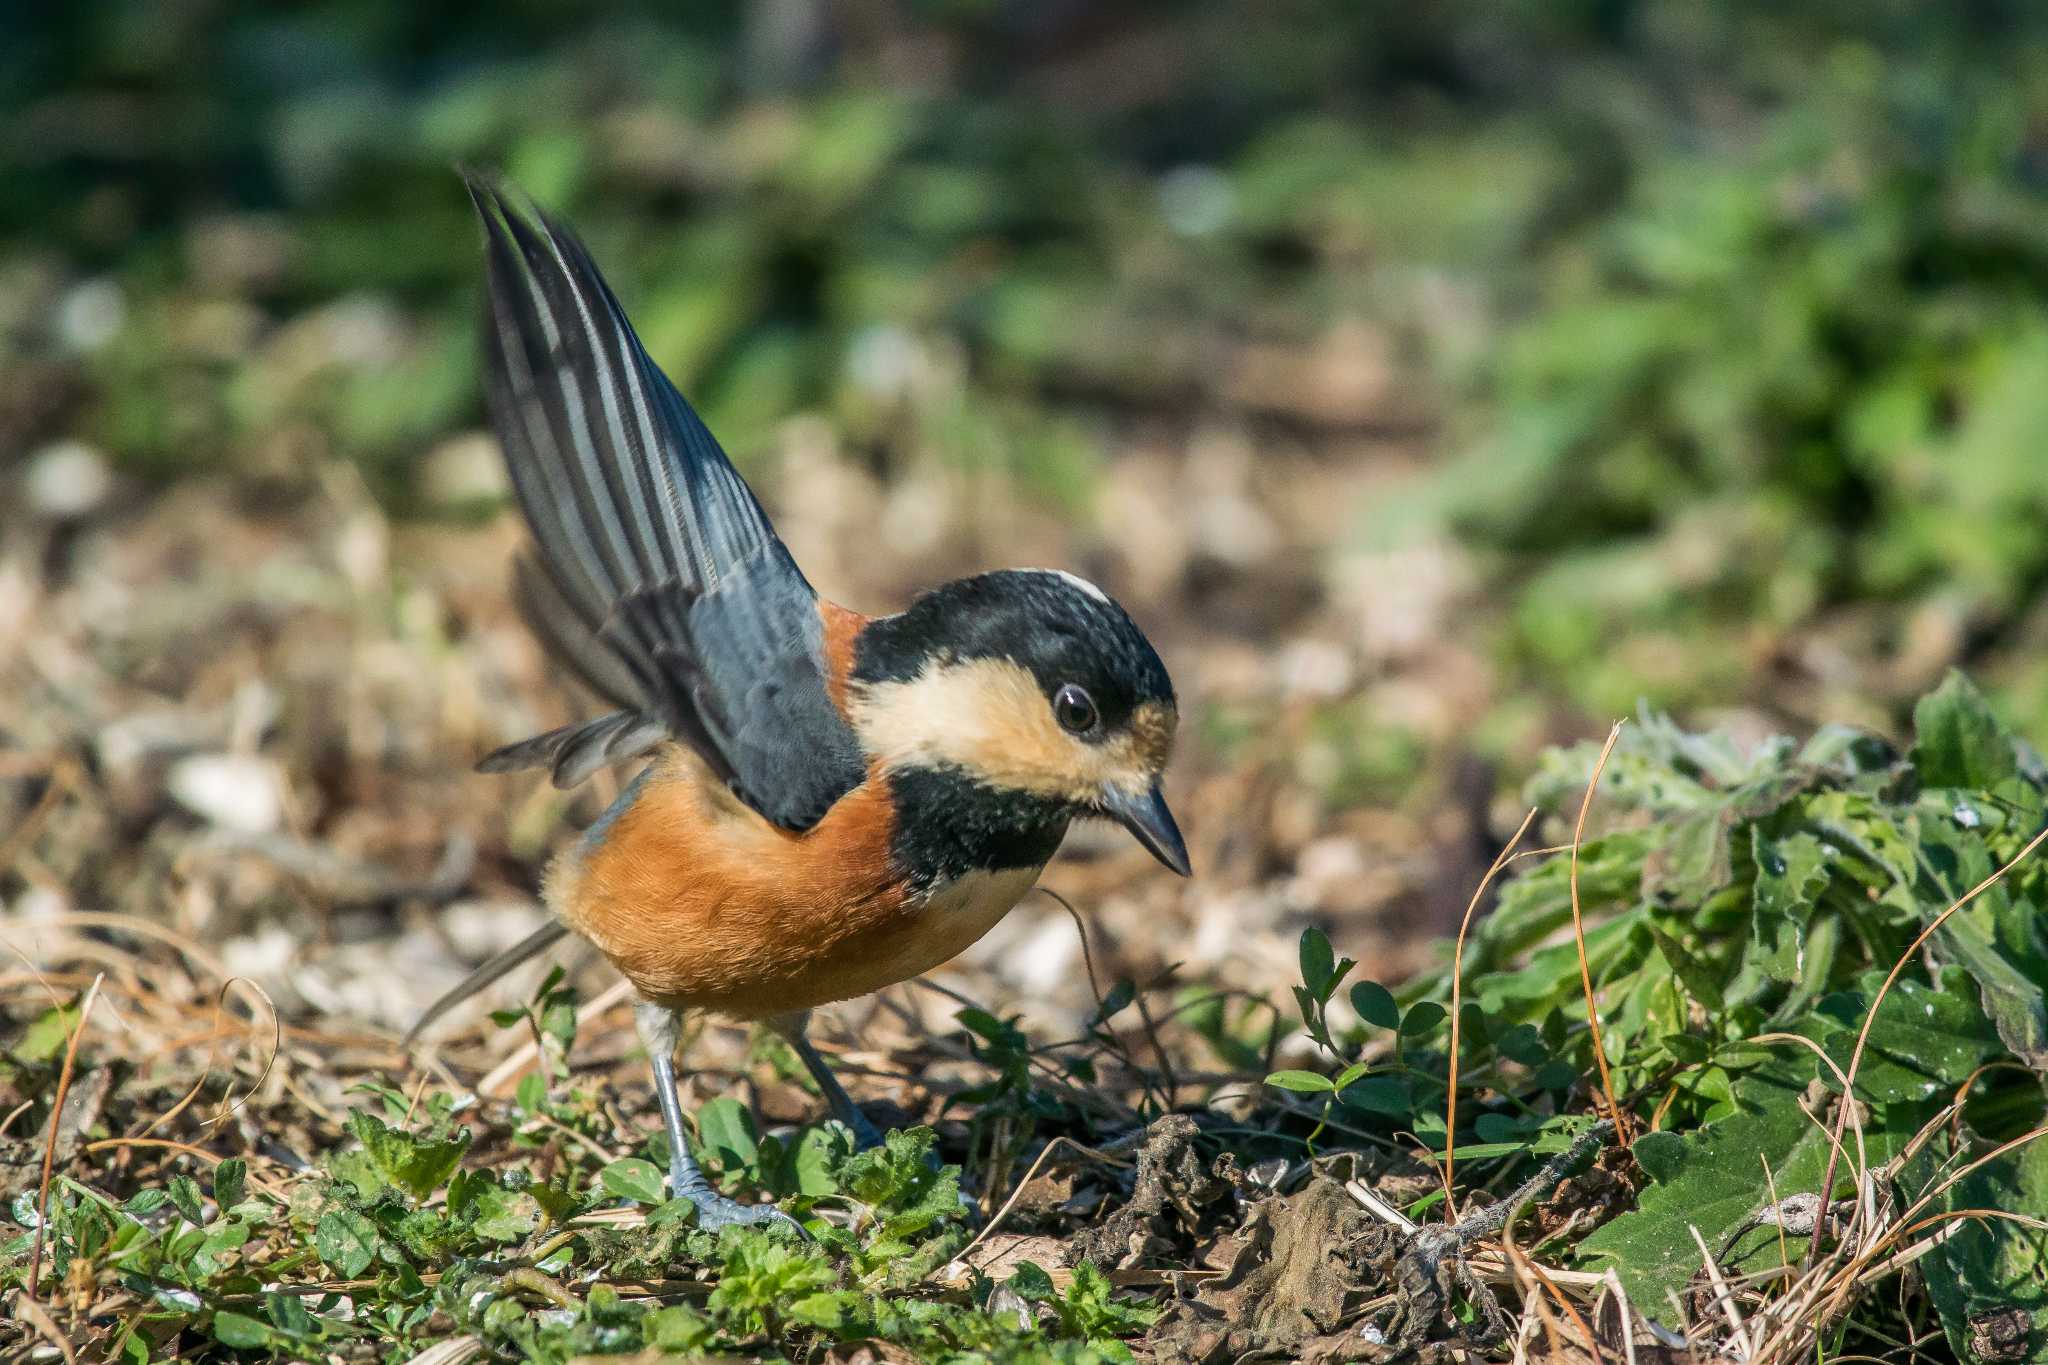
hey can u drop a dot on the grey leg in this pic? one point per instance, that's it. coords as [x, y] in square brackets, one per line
[795, 1030]
[659, 1028]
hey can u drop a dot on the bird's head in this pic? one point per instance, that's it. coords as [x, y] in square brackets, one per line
[1033, 683]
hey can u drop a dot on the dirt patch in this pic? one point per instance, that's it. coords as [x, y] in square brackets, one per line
[1174, 1195]
[1306, 1267]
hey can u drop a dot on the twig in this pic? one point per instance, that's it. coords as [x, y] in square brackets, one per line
[1626, 1311]
[1491, 1219]
[35, 1264]
[213, 1051]
[1621, 1131]
[1379, 1208]
[1167, 1079]
[1418, 1273]
[1457, 998]
[38, 1317]
[1018, 1192]
[1725, 1297]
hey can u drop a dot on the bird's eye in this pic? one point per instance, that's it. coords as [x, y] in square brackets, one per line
[1074, 709]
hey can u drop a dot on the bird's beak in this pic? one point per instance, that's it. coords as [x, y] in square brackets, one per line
[1145, 815]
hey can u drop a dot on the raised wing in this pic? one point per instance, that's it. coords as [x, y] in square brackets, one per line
[658, 577]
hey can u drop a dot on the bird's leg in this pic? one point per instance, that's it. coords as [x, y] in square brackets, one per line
[795, 1030]
[659, 1028]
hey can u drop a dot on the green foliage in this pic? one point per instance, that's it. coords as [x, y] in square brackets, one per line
[418, 1165]
[399, 1239]
[1777, 366]
[1736, 893]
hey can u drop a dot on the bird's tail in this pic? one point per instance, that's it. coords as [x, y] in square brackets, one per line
[532, 946]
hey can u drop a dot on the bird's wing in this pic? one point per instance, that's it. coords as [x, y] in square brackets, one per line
[658, 576]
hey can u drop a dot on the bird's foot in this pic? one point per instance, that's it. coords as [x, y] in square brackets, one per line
[715, 1211]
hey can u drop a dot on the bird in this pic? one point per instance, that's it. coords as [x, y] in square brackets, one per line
[830, 802]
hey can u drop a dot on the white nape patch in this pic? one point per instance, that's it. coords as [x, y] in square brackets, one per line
[1075, 580]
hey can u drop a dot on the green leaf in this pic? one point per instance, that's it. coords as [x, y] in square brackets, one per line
[1350, 1074]
[828, 1310]
[677, 1329]
[681, 1209]
[1991, 1268]
[503, 1216]
[725, 1129]
[816, 1157]
[132, 1348]
[1524, 1043]
[1924, 1042]
[145, 1201]
[45, 1038]
[225, 1237]
[985, 1025]
[289, 1315]
[2000, 939]
[1392, 1096]
[1375, 1004]
[1958, 742]
[1482, 1151]
[184, 1192]
[559, 1198]
[1090, 1309]
[1303, 1082]
[1791, 873]
[417, 1165]
[1693, 857]
[1498, 1128]
[345, 1240]
[1713, 1179]
[242, 1333]
[1318, 963]
[1422, 1016]
[634, 1179]
[1114, 1003]
[228, 1180]
[1030, 1283]
[1699, 980]
[899, 1180]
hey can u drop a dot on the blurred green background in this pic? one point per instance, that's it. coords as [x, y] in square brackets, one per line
[1710, 335]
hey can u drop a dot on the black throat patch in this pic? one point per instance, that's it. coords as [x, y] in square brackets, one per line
[948, 825]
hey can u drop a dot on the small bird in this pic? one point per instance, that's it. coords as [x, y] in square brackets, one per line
[832, 802]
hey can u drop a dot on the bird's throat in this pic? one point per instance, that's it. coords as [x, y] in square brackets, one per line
[950, 824]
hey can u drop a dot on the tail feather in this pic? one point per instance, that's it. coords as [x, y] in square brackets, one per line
[532, 946]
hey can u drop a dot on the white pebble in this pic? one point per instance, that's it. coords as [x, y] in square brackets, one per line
[234, 791]
[67, 479]
[91, 315]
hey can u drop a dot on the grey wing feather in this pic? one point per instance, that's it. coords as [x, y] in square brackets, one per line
[661, 580]
[562, 630]
[577, 750]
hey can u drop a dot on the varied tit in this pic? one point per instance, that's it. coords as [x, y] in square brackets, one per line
[834, 802]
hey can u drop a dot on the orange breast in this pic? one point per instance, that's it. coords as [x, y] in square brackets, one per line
[702, 904]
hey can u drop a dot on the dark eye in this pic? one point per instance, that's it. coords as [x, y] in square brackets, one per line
[1074, 709]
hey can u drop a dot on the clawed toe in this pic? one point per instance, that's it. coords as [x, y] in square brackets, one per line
[715, 1211]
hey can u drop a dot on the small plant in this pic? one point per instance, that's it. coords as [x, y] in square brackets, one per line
[1761, 925]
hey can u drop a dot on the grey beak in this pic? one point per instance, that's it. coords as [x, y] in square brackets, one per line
[1145, 815]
